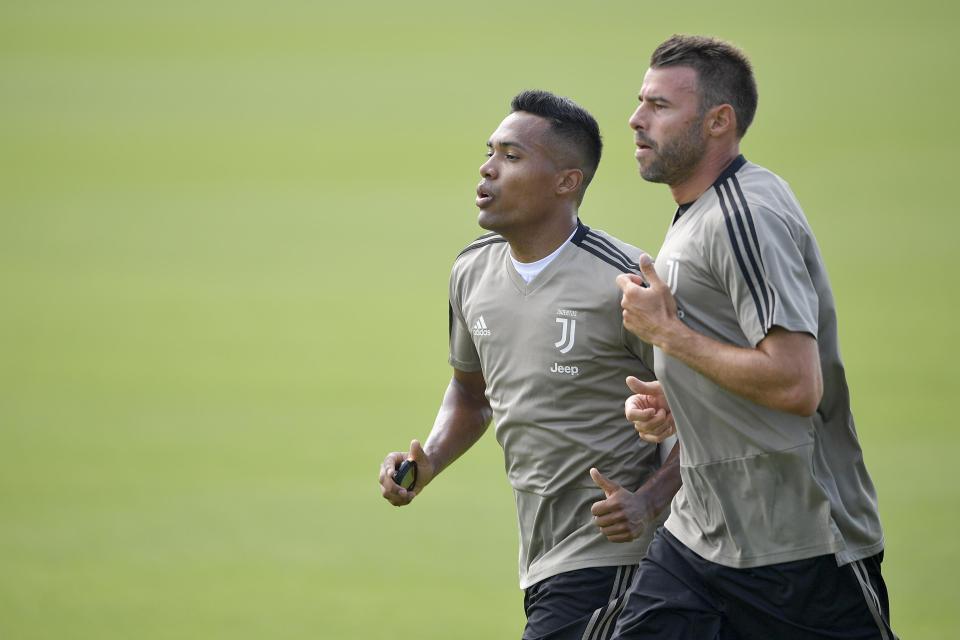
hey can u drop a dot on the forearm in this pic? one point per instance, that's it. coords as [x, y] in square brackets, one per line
[665, 481]
[463, 417]
[789, 381]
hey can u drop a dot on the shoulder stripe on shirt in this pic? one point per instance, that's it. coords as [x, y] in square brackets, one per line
[589, 242]
[612, 247]
[752, 246]
[756, 241]
[599, 243]
[483, 241]
[741, 246]
[738, 254]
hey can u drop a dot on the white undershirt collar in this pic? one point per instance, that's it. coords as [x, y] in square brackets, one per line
[530, 270]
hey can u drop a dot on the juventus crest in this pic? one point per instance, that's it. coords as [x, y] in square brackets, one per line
[568, 334]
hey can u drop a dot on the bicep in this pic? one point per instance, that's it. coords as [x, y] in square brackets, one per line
[470, 383]
[785, 346]
[795, 358]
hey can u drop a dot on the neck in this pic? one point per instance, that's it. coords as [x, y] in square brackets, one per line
[534, 243]
[709, 168]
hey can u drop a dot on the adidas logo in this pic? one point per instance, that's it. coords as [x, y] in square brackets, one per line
[480, 327]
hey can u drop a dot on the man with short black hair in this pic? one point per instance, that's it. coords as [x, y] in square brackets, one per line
[775, 532]
[537, 341]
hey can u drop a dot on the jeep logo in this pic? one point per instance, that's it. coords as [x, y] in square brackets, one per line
[565, 369]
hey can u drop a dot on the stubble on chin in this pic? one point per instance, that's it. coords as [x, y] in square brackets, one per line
[673, 163]
[676, 163]
[652, 173]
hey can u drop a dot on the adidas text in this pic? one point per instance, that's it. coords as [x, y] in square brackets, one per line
[480, 327]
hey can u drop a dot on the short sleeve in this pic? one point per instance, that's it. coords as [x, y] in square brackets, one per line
[463, 352]
[758, 256]
[642, 351]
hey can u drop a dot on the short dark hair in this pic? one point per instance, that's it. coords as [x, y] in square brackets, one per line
[724, 74]
[570, 122]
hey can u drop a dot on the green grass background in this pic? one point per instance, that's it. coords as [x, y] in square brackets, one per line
[225, 235]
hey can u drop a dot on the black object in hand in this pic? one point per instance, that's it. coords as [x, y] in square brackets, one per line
[406, 475]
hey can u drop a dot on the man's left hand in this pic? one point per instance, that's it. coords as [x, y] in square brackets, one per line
[623, 515]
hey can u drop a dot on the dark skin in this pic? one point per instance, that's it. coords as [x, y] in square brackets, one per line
[622, 516]
[463, 417]
[529, 193]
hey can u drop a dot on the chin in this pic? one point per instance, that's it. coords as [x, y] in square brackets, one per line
[489, 220]
[651, 174]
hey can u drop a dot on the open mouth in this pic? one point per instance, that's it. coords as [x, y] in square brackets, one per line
[484, 197]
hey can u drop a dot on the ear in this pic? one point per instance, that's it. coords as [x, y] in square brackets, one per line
[720, 120]
[569, 181]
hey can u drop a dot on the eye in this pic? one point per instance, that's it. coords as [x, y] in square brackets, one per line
[489, 154]
[510, 156]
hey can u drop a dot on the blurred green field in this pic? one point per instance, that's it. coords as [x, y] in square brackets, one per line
[225, 235]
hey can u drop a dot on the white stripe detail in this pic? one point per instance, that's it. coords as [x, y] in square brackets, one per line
[595, 624]
[598, 632]
[872, 603]
[592, 624]
[618, 600]
[611, 619]
[608, 629]
[868, 584]
[615, 591]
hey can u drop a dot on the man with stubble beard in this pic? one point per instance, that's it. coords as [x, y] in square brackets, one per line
[775, 533]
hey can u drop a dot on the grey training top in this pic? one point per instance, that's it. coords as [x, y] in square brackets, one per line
[760, 486]
[554, 355]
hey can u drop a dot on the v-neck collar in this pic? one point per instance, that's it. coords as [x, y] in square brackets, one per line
[527, 288]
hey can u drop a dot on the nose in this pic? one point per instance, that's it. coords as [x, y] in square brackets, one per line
[636, 121]
[487, 169]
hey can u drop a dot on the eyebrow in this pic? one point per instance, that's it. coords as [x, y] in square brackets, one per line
[659, 99]
[506, 143]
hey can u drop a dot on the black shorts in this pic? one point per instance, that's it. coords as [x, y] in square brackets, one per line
[677, 595]
[576, 605]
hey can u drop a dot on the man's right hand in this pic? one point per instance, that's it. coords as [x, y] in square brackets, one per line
[648, 410]
[394, 493]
